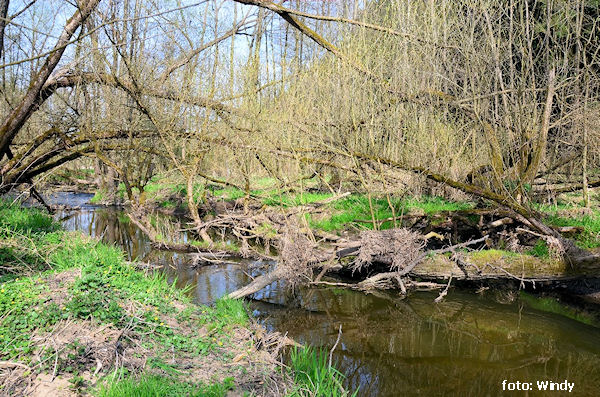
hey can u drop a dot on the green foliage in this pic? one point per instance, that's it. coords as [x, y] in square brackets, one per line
[291, 200]
[229, 312]
[99, 196]
[347, 211]
[24, 220]
[589, 238]
[93, 297]
[313, 376]
[105, 286]
[230, 193]
[161, 386]
[540, 249]
[22, 313]
[106, 283]
[434, 204]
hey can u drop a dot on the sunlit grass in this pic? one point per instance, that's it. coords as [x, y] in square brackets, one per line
[24, 220]
[104, 284]
[589, 221]
[162, 386]
[358, 210]
[313, 376]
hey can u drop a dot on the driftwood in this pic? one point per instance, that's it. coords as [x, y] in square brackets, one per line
[377, 279]
[257, 284]
[397, 256]
[277, 274]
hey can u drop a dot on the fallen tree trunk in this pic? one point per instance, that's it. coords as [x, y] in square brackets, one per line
[397, 254]
[259, 283]
[497, 265]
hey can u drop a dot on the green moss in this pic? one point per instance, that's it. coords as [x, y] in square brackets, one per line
[492, 255]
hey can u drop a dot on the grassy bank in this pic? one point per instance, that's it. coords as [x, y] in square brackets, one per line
[75, 317]
[357, 211]
[360, 211]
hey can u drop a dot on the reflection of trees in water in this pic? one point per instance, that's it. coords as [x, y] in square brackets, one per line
[462, 346]
[112, 227]
[459, 347]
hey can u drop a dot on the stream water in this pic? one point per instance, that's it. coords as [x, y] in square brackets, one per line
[465, 346]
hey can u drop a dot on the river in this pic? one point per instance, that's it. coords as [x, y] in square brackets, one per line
[466, 345]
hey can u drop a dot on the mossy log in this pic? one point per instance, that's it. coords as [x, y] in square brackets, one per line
[496, 264]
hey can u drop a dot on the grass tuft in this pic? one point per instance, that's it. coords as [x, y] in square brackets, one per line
[540, 249]
[313, 375]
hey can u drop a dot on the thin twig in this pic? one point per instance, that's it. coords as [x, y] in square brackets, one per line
[335, 345]
[444, 292]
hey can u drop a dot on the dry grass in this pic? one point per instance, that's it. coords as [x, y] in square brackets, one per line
[87, 352]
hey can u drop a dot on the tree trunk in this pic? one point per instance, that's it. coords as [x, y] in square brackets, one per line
[3, 22]
[31, 101]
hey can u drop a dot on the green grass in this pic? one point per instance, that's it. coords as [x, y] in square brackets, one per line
[99, 287]
[313, 376]
[32, 245]
[292, 200]
[24, 220]
[162, 386]
[553, 305]
[231, 312]
[343, 212]
[347, 211]
[540, 249]
[99, 196]
[590, 237]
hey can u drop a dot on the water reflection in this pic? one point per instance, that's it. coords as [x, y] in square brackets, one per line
[464, 346]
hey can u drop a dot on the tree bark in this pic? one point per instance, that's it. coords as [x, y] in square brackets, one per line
[3, 22]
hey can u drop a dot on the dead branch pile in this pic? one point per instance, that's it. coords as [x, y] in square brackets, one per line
[396, 247]
[399, 254]
[295, 255]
